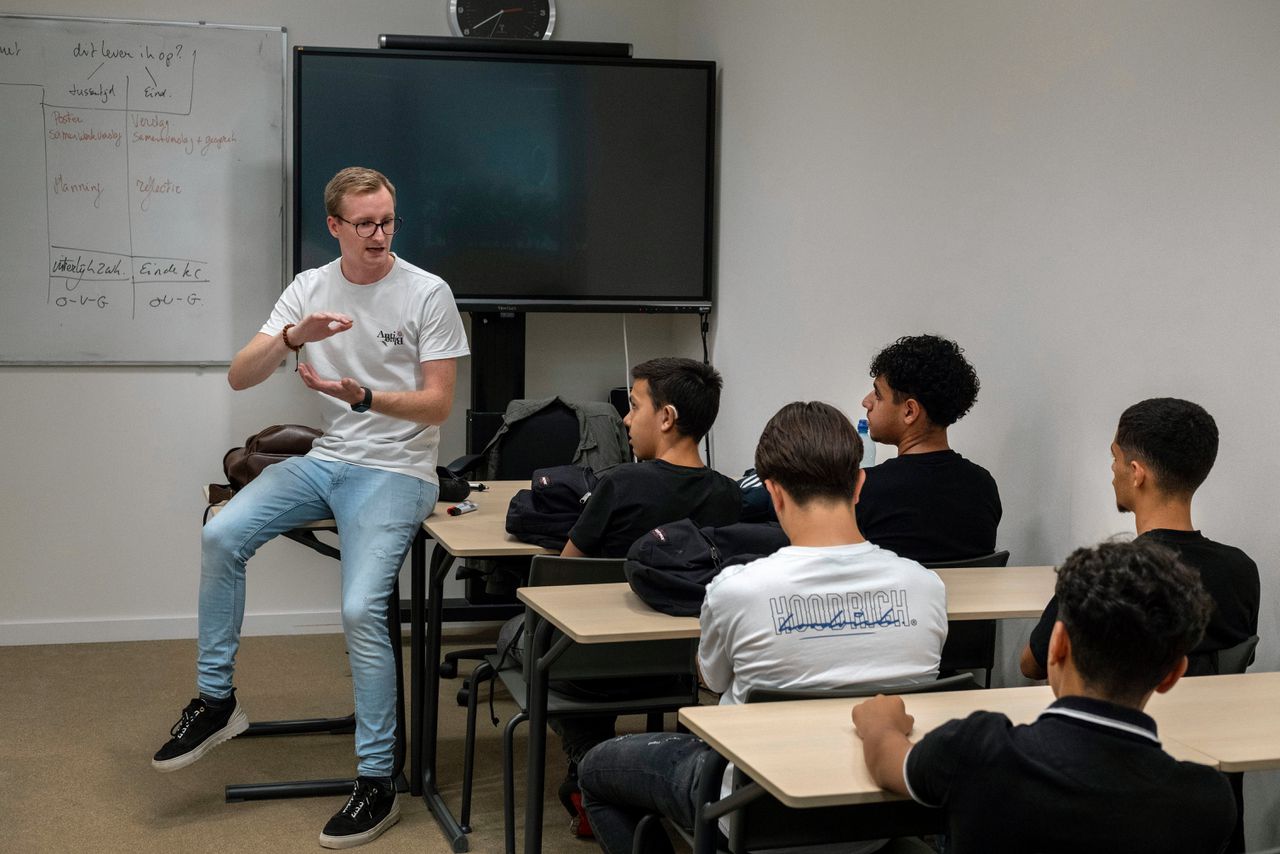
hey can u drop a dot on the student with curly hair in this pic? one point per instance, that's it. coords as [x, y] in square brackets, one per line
[928, 503]
[1089, 774]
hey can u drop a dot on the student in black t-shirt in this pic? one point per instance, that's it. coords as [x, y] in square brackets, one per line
[674, 402]
[928, 503]
[1089, 774]
[1163, 450]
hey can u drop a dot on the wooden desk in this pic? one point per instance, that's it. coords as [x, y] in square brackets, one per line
[481, 533]
[1231, 718]
[806, 754]
[998, 592]
[612, 613]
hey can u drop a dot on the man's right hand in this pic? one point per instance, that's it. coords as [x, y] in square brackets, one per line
[319, 326]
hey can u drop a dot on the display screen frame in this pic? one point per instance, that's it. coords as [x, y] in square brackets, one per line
[308, 213]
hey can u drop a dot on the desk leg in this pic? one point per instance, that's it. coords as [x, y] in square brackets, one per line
[537, 770]
[441, 564]
[417, 594]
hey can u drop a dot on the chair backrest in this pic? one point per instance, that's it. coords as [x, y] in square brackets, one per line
[959, 682]
[1000, 558]
[549, 437]
[767, 823]
[1234, 659]
[1238, 658]
[604, 661]
[971, 644]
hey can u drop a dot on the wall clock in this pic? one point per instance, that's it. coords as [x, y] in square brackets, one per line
[502, 19]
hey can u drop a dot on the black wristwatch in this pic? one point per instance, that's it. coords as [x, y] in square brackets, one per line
[363, 406]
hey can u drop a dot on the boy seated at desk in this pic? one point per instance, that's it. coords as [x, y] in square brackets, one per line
[1164, 449]
[928, 503]
[1089, 774]
[674, 402]
[772, 623]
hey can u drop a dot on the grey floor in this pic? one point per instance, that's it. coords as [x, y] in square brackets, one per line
[79, 723]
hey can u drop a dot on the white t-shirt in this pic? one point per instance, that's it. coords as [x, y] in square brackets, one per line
[821, 618]
[406, 318]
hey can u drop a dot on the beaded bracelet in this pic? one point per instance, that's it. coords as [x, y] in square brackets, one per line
[284, 333]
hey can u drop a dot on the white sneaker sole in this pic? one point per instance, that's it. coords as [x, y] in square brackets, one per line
[236, 724]
[369, 835]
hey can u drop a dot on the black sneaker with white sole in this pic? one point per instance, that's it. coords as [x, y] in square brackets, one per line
[370, 810]
[201, 728]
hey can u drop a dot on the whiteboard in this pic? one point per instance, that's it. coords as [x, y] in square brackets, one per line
[143, 165]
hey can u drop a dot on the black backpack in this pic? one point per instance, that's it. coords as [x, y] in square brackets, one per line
[545, 514]
[669, 567]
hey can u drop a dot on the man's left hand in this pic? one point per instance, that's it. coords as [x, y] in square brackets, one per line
[346, 389]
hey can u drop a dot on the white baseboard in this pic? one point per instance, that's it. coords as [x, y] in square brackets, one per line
[28, 633]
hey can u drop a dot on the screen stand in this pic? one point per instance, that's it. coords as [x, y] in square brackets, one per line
[497, 372]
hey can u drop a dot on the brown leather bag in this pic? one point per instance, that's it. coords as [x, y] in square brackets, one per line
[275, 443]
[281, 441]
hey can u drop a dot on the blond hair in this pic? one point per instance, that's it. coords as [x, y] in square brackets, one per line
[354, 181]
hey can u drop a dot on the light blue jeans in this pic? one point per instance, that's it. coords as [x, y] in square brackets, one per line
[378, 513]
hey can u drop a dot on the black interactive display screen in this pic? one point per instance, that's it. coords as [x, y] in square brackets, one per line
[526, 182]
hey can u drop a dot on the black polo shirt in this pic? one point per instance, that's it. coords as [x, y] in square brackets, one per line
[1086, 776]
[1229, 576]
[930, 507]
[634, 498]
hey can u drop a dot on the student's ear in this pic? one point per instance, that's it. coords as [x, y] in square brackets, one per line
[1172, 677]
[1059, 655]
[857, 486]
[332, 222]
[1059, 644]
[667, 417]
[1138, 473]
[911, 411]
[777, 495]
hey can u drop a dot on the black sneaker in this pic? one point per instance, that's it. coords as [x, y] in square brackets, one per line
[370, 810]
[200, 729]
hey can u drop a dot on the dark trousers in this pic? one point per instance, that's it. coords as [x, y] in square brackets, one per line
[625, 779]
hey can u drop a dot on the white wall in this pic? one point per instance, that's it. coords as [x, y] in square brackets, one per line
[1086, 195]
[100, 515]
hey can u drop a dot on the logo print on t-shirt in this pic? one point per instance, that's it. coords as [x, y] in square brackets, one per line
[392, 337]
[831, 614]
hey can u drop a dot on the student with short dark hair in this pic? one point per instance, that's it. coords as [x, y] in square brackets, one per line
[1089, 774]
[776, 623]
[1164, 449]
[928, 503]
[674, 402]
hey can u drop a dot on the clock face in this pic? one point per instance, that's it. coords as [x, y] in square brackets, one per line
[502, 19]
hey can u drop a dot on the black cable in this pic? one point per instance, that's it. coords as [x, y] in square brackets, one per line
[705, 326]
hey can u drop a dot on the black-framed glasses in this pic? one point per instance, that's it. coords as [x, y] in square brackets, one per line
[367, 229]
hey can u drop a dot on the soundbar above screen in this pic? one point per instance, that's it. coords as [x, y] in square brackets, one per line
[526, 182]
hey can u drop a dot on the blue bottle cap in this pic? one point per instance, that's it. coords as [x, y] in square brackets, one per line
[863, 427]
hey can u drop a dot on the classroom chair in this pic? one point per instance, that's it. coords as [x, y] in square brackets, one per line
[580, 663]
[971, 644]
[1234, 659]
[551, 436]
[762, 822]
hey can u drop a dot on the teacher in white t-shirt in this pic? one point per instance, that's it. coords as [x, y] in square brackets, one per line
[379, 340]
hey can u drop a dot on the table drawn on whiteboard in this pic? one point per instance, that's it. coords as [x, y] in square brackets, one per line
[146, 160]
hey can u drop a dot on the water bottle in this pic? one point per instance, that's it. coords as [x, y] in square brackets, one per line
[868, 446]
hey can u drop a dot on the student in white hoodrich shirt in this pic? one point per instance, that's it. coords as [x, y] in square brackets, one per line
[829, 610]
